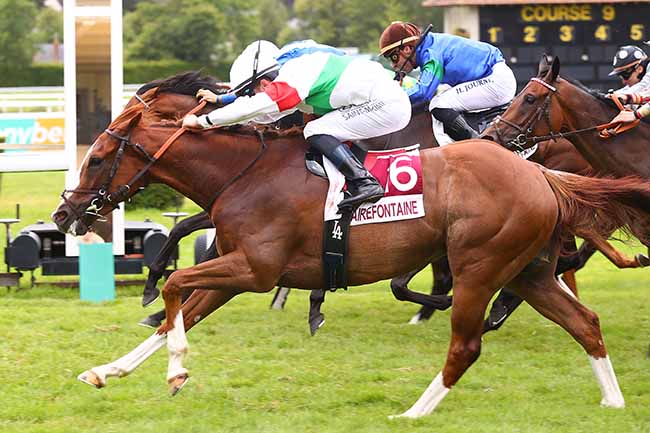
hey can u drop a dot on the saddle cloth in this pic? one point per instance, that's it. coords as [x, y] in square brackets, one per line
[400, 174]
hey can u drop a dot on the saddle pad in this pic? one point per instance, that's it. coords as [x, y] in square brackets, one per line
[400, 173]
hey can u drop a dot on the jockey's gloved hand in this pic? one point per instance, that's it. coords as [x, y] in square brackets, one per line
[211, 97]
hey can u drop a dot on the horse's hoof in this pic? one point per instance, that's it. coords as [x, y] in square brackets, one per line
[89, 377]
[150, 322]
[149, 296]
[642, 260]
[316, 323]
[616, 403]
[415, 319]
[177, 383]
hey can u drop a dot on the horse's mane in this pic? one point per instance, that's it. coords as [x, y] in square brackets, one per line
[188, 83]
[600, 96]
[185, 83]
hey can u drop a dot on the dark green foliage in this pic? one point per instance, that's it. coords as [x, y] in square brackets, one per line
[146, 71]
[157, 196]
[16, 38]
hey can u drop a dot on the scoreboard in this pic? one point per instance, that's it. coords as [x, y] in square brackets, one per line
[584, 36]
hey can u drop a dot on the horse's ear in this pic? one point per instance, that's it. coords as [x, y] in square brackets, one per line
[555, 69]
[543, 66]
[134, 121]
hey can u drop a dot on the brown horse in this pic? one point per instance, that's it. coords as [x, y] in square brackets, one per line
[268, 212]
[552, 106]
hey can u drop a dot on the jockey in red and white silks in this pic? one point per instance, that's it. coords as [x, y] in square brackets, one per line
[355, 98]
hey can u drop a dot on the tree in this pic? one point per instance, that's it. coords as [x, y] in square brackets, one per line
[16, 39]
[49, 26]
[189, 30]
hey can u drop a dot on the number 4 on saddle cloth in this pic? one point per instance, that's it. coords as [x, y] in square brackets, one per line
[400, 173]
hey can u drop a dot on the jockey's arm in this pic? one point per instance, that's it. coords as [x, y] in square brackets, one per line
[642, 111]
[430, 77]
[278, 100]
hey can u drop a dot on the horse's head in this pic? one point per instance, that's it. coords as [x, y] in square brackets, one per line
[532, 112]
[117, 165]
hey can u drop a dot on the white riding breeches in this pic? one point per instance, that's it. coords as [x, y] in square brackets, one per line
[496, 89]
[387, 111]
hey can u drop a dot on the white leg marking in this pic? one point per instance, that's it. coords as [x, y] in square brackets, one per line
[612, 396]
[431, 397]
[415, 319]
[177, 346]
[129, 362]
[564, 287]
[281, 298]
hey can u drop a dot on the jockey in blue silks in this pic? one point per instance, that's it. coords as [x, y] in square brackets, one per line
[475, 71]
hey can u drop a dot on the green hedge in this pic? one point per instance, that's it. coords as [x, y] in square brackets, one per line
[134, 72]
[157, 196]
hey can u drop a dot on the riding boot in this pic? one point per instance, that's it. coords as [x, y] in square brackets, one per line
[362, 186]
[454, 123]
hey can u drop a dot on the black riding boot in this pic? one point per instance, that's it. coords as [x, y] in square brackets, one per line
[455, 124]
[362, 186]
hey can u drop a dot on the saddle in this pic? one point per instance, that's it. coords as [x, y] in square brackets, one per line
[481, 119]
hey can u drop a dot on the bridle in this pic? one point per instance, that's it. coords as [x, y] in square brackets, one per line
[101, 196]
[523, 137]
[606, 130]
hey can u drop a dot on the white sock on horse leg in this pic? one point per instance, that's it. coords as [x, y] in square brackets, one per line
[177, 346]
[604, 372]
[132, 360]
[564, 287]
[431, 397]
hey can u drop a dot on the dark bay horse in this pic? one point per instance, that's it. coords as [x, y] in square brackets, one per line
[268, 212]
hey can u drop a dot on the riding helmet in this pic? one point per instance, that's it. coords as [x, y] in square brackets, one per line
[627, 57]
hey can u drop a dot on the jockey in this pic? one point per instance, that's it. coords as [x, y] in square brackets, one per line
[631, 65]
[355, 98]
[476, 71]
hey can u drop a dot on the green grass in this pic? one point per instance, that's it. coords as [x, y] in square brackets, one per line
[257, 370]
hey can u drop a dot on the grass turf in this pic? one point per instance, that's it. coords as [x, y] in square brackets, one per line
[257, 370]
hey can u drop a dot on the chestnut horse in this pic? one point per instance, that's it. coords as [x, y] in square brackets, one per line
[498, 219]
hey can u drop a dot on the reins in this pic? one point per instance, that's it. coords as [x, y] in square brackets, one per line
[606, 130]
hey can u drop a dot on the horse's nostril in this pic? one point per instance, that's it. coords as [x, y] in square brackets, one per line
[487, 137]
[60, 216]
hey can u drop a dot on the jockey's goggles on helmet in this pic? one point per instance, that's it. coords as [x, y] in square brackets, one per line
[393, 55]
[627, 73]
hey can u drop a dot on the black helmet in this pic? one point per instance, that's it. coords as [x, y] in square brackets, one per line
[627, 57]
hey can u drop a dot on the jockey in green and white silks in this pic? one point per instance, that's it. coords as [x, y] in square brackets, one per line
[355, 98]
[476, 73]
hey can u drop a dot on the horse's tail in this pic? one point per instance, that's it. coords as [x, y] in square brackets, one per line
[595, 207]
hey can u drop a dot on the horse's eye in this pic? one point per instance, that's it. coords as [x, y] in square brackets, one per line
[530, 98]
[94, 162]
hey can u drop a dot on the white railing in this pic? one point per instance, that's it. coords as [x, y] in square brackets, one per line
[44, 99]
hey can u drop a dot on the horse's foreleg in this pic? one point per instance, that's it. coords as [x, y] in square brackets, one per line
[197, 307]
[230, 274]
[442, 282]
[123, 366]
[468, 309]
[559, 305]
[157, 268]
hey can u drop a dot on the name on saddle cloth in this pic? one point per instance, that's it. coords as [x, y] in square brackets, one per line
[400, 174]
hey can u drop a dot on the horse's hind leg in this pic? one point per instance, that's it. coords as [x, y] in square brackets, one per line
[547, 297]
[468, 309]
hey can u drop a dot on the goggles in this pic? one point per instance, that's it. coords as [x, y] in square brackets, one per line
[393, 55]
[627, 73]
